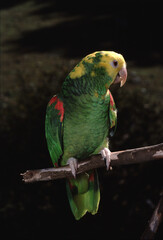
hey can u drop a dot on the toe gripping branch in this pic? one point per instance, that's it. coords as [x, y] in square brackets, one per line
[106, 155]
[73, 164]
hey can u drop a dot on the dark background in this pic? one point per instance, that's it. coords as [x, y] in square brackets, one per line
[40, 44]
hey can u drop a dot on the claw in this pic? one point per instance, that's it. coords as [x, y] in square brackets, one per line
[73, 163]
[106, 153]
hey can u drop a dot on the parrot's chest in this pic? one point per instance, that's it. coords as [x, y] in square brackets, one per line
[85, 128]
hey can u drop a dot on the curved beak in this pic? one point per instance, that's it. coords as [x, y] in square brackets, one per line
[121, 76]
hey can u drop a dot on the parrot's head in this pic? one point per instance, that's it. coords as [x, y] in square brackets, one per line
[109, 65]
[96, 72]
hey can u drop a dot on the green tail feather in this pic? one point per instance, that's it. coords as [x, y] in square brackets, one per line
[84, 194]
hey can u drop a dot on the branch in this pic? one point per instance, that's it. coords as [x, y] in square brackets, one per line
[131, 156]
[154, 222]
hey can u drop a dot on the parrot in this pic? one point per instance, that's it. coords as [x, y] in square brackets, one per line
[78, 122]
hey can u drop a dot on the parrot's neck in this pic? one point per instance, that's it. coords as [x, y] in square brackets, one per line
[86, 85]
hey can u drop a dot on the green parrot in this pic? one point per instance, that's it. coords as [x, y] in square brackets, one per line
[78, 122]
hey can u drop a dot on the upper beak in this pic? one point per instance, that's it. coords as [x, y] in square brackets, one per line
[121, 76]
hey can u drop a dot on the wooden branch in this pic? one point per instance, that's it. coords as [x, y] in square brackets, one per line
[154, 222]
[131, 156]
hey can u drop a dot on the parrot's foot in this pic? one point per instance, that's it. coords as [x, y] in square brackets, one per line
[106, 153]
[73, 163]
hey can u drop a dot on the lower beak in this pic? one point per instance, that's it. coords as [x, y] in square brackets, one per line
[121, 76]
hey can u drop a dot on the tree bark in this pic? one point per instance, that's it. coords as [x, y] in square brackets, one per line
[125, 157]
[154, 222]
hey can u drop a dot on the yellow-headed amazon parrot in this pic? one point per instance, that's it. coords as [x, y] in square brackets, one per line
[78, 122]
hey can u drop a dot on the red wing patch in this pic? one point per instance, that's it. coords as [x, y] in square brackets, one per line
[91, 177]
[56, 164]
[52, 100]
[58, 106]
[111, 99]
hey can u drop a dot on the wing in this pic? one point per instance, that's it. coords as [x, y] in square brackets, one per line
[112, 115]
[54, 128]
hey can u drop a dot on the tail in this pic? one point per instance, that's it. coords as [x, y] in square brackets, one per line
[84, 194]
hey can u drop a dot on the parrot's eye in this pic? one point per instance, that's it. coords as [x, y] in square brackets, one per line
[114, 63]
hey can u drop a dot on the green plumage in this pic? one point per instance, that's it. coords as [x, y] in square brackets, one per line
[84, 194]
[77, 125]
[85, 123]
